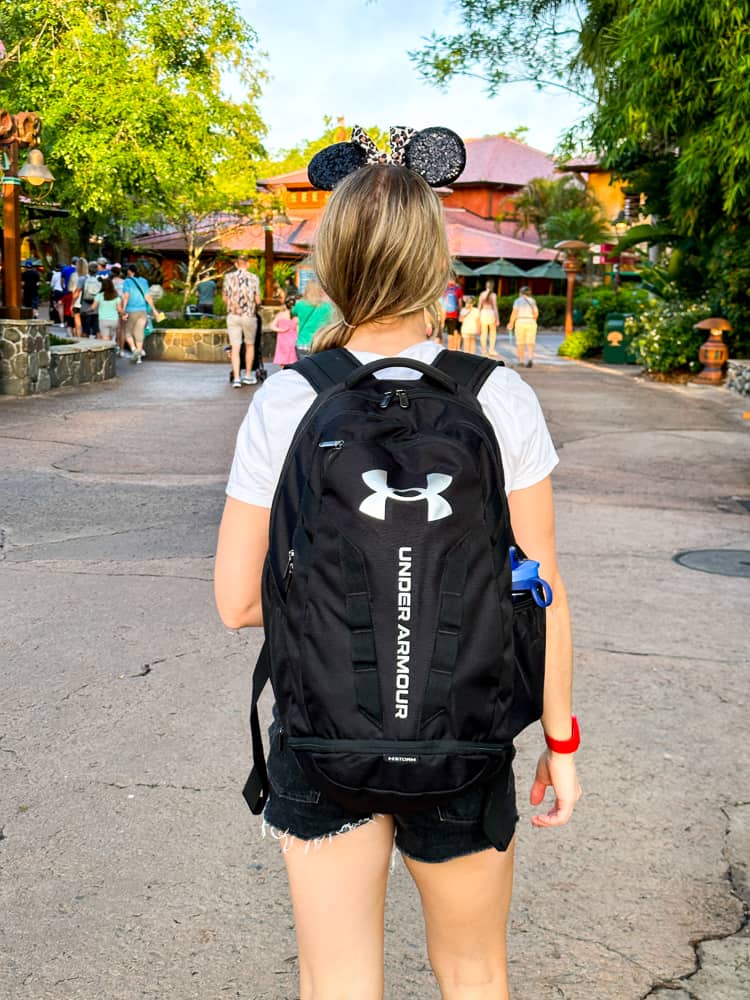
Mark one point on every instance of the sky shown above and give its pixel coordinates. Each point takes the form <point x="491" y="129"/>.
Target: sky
<point x="349" y="57"/>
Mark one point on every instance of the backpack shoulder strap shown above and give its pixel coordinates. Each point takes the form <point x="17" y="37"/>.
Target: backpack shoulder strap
<point x="469" y="370"/>
<point x="327" y="368"/>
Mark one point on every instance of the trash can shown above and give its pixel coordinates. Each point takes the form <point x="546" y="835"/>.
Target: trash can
<point x="617" y="344"/>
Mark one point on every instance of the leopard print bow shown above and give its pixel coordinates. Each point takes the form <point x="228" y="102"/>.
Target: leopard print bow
<point x="399" y="137"/>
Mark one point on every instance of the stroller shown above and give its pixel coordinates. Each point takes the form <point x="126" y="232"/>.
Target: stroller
<point x="258" y="366"/>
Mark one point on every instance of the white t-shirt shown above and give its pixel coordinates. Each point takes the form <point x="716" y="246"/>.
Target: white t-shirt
<point x="280" y="404"/>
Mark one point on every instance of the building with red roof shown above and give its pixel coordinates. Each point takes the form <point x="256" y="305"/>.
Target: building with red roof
<point x="497" y="167"/>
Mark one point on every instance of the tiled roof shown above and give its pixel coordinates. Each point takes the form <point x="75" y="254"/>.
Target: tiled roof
<point x="469" y="237"/>
<point x="295" y="179"/>
<point x="587" y="162"/>
<point x="496" y="159"/>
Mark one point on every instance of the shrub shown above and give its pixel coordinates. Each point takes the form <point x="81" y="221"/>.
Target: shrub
<point x="551" y="309"/>
<point x="180" y="323"/>
<point x="581" y="344"/>
<point x="170" y="302"/>
<point x="663" y="336"/>
<point x="597" y="303"/>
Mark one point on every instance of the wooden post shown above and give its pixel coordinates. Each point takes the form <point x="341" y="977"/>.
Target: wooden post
<point x="268" y="254"/>
<point x="571" y="269"/>
<point x="12" y="239"/>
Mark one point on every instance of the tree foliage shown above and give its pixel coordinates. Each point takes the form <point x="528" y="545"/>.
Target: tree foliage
<point x="562" y="209"/>
<point x="136" y="121"/>
<point x="667" y="82"/>
<point x="508" y="41"/>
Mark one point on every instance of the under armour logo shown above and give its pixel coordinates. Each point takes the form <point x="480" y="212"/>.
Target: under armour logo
<point x="377" y="480"/>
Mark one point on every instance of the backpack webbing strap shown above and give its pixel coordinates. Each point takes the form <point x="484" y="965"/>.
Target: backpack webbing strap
<point x="445" y="650"/>
<point x="326" y="368"/>
<point x="359" y="619"/>
<point x="256" y="787"/>
<point x="469" y="370"/>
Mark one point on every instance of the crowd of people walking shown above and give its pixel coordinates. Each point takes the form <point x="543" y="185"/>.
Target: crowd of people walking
<point x="467" y="319"/>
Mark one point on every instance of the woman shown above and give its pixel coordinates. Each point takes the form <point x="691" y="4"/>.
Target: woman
<point x="522" y="324"/>
<point x="77" y="282"/>
<point x="382" y="287"/>
<point x="136" y="301"/>
<point x="313" y="312"/>
<point x="107" y="307"/>
<point x="488" y="319"/>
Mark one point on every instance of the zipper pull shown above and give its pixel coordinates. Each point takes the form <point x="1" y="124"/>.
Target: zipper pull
<point x="282" y="740"/>
<point x="387" y="399"/>
<point x="289" y="571"/>
<point x="402" y="398"/>
<point x="338" y="445"/>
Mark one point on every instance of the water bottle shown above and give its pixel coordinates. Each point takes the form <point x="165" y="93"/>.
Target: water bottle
<point x="525" y="577"/>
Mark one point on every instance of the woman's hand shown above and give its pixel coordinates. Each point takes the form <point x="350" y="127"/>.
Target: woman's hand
<point x="557" y="770"/>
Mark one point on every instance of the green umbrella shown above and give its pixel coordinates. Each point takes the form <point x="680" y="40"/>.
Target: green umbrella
<point x="550" y="269"/>
<point x="502" y="269"/>
<point x="460" y="268"/>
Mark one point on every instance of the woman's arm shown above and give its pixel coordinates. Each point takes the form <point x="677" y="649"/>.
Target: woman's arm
<point x="240" y="553"/>
<point x="532" y="517"/>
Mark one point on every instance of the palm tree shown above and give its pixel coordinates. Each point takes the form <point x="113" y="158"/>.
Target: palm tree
<point x="585" y="223"/>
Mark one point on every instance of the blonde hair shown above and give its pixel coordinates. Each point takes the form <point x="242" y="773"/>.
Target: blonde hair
<point x="381" y="250"/>
<point x="313" y="293"/>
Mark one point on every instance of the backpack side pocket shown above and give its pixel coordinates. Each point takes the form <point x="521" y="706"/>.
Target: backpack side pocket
<point x="529" y="639"/>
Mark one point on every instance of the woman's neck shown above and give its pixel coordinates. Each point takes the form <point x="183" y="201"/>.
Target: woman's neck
<point x="390" y="336"/>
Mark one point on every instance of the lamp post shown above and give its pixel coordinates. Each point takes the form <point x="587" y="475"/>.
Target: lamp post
<point x="571" y="265"/>
<point x="16" y="131"/>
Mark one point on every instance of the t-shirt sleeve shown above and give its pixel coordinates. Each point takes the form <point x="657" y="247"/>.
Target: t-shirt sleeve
<point x="526" y="447"/>
<point x="265" y="435"/>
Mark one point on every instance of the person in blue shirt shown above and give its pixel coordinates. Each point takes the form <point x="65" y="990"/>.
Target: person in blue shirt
<point x="136" y="302"/>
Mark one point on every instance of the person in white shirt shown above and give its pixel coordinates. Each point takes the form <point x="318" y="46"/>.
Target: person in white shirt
<point x="522" y="322"/>
<point x="382" y="257"/>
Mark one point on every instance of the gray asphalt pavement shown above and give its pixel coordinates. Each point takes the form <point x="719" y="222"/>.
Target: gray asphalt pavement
<point x="129" y="864"/>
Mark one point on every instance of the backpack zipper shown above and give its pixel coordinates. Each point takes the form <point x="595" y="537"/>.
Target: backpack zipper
<point x="418" y="748"/>
<point x="399" y="394"/>
<point x="338" y="445"/>
<point x="289" y="571"/>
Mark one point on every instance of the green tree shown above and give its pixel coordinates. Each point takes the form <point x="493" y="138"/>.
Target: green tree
<point x="543" y="197"/>
<point x="670" y="107"/>
<point x="297" y="157"/>
<point x="136" y="122"/>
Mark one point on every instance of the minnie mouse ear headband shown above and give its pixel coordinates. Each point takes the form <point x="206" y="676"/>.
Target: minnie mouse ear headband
<point x="436" y="153"/>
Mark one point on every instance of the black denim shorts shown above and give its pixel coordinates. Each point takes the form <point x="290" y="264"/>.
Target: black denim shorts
<point x="444" y="832"/>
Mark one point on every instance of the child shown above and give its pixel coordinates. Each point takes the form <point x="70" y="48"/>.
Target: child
<point x="285" y="326"/>
<point x="469" y="325"/>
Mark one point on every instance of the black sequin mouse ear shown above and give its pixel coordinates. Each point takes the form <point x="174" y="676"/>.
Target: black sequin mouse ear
<point x="334" y="163"/>
<point x="438" y="154"/>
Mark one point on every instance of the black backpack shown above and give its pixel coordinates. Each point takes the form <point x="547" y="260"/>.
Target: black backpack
<point x="401" y="663"/>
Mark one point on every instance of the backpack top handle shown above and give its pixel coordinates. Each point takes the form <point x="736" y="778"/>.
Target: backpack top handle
<point x="429" y="372"/>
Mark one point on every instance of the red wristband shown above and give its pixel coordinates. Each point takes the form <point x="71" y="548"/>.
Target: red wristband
<point x="566" y="746"/>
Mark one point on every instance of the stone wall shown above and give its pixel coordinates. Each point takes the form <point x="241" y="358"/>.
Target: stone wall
<point x="195" y="345"/>
<point x="738" y="376"/>
<point x="82" y="361"/>
<point x="29" y="365"/>
<point x="24" y="356"/>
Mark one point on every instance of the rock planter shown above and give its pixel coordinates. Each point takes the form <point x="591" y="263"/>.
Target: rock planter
<point x="81" y="361"/>
<point x="738" y="376"/>
<point x="196" y="344"/>
<point x="24" y="356"/>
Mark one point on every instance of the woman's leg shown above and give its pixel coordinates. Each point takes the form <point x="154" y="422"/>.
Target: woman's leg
<point x="483" y="335"/>
<point x="338" y="895"/>
<point x="466" y="903"/>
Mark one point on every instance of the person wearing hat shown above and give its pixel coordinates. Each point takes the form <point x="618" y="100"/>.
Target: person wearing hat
<point x="523" y="323"/>
<point x="241" y="294"/>
<point x="30" y="279"/>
